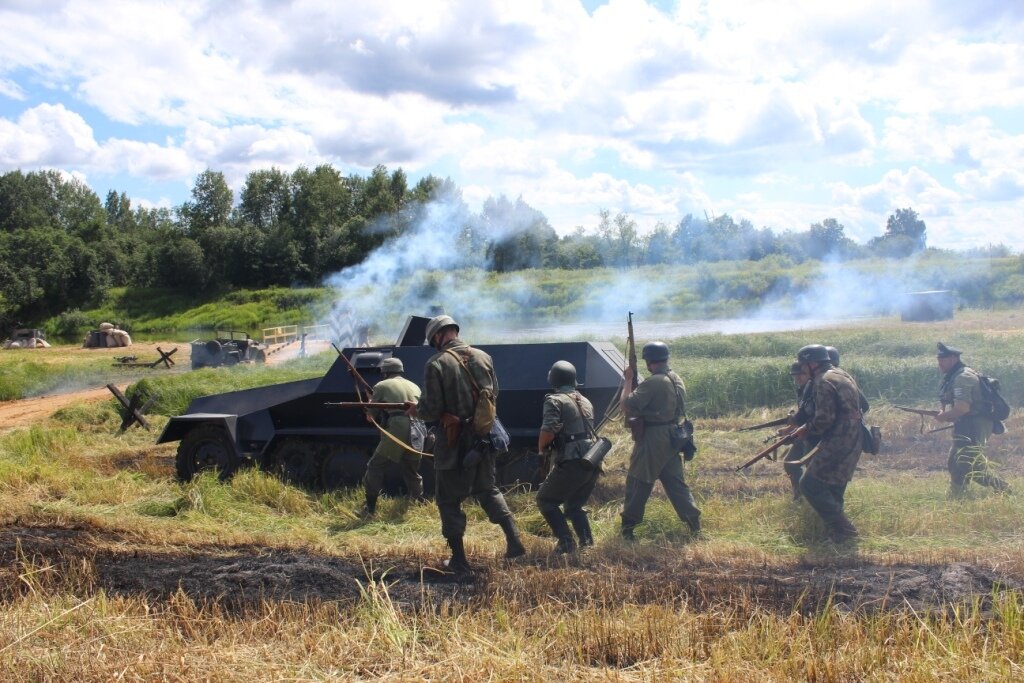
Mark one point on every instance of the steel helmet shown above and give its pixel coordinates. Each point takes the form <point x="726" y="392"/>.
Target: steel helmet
<point x="813" y="353"/>
<point x="833" y="355"/>
<point x="655" y="352"/>
<point x="392" y="366"/>
<point x="437" y="324"/>
<point x="562" y="373"/>
<point x="796" y="369"/>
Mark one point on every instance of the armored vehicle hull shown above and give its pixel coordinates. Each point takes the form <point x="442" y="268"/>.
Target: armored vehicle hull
<point x="288" y="428"/>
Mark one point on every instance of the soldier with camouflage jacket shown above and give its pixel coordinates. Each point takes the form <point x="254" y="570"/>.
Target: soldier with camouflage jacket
<point x="836" y="422"/>
<point x="962" y="404"/>
<point x="448" y="398"/>
<point x="568" y="429"/>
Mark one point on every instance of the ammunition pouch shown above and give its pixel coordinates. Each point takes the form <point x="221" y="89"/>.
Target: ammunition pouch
<point x="682" y="440"/>
<point x="636" y="427"/>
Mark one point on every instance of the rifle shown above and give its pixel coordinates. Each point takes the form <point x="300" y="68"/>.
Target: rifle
<point x="764" y="425"/>
<point x="355" y="375"/>
<point x="363" y="404"/>
<point x="635" y="424"/>
<point x="922" y="412"/>
<point x="794" y="435"/>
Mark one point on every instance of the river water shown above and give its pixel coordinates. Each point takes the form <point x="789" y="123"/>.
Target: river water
<point x="670" y="329"/>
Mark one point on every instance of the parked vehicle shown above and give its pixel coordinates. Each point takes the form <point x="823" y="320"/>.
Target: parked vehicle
<point x="227" y="348"/>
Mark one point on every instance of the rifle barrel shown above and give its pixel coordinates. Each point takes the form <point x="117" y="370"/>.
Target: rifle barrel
<point x="764" y="425"/>
<point x="364" y="404"/>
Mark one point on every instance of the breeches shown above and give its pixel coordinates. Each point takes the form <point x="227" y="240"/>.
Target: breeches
<point x="454" y="486"/>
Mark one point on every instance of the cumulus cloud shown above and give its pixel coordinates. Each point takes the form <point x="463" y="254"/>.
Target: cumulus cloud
<point x="630" y="107"/>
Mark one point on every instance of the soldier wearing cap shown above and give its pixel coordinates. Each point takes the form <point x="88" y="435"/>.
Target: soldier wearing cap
<point x="449" y="396"/>
<point x="961" y="400"/>
<point x="659" y="402"/>
<point x="392" y="389"/>
<point x="567" y="427"/>
<point x="836" y="423"/>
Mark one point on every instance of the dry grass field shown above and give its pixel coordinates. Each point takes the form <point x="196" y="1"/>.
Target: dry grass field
<point x="111" y="570"/>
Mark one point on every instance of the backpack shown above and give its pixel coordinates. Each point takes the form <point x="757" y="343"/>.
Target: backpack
<point x="485" y="405"/>
<point x="997" y="407"/>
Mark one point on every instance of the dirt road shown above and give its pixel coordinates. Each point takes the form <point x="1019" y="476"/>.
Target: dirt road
<point x="30" y="410"/>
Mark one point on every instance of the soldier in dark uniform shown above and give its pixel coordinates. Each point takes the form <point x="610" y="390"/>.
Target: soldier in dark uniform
<point x="962" y="404"/>
<point x="448" y="398"/>
<point x="836" y="423"/>
<point x="568" y="429"/>
<point x="659" y="402"/>
<point x="392" y="389"/>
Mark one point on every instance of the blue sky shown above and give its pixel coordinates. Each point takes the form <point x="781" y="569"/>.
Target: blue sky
<point x="780" y="112"/>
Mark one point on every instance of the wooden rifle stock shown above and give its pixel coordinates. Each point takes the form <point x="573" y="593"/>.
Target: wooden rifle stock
<point x="795" y="435"/>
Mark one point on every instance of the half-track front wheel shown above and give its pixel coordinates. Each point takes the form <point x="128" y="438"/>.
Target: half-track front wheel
<point x="208" y="446"/>
<point x="344" y="466"/>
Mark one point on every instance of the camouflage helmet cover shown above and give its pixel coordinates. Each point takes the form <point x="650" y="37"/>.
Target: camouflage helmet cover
<point x="562" y="373"/>
<point x="655" y="352"/>
<point x="437" y="324"/>
<point x="392" y="366"/>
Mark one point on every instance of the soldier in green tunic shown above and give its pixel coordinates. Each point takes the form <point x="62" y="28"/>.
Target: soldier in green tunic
<point x="962" y="404"/>
<point x="449" y="398"/>
<point x="567" y="429"/>
<point x="659" y="402"/>
<point x="392" y="389"/>
<point x="836" y="423"/>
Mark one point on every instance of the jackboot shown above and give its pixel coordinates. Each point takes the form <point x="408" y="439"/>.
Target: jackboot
<point x="841" y="530"/>
<point x="556" y="520"/>
<point x="370" y="507"/>
<point x="458" y="563"/>
<point x="513" y="545"/>
<point x="581" y="523"/>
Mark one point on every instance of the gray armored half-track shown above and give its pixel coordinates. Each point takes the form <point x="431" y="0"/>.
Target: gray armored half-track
<point x="287" y="427"/>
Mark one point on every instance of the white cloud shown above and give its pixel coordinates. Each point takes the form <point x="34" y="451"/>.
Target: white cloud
<point x="999" y="185"/>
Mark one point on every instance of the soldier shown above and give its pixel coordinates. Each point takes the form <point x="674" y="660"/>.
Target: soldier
<point x="568" y="429"/>
<point x="449" y="397"/>
<point x="804" y="411"/>
<point x="392" y="389"/>
<point x="961" y="399"/>
<point x="836" y="423"/>
<point x="659" y="402"/>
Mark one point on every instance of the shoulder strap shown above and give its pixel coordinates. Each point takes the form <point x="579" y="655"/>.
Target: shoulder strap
<point x="469" y="373"/>
<point x="579" y="407"/>
<point x="679" y="399"/>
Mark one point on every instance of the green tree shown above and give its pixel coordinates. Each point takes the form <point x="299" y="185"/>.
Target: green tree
<point x="211" y="203"/>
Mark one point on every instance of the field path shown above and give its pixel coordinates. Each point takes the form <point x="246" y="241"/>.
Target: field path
<point x="27" y="411"/>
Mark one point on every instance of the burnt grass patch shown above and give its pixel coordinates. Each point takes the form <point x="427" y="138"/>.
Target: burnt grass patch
<point x="236" y="577"/>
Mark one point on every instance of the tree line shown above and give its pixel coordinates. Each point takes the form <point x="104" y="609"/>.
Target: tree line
<point x="61" y="247"/>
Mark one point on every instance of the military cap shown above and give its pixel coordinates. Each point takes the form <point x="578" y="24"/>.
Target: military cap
<point x="391" y="366"/>
<point x="947" y="351"/>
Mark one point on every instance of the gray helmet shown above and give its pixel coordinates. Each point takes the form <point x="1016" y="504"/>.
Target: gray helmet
<point x="655" y="352"/>
<point x="562" y="373"/>
<point x="813" y="353"/>
<point x="392" y="366"/>
<point x="833" y="355"/>
<point x="437" y="324"/>
<point x="796" y="369"/>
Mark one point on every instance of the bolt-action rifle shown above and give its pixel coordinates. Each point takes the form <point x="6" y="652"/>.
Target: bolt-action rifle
<point x="764" y="425"/>
<point x="635" y="424"/>
<point x="363" y="404"/>
<point x="923" y="412"/>
<point x="767" y="451"/>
